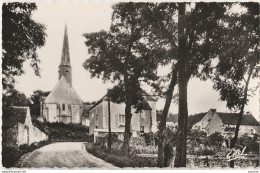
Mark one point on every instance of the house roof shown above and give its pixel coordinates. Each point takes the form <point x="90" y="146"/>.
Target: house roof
<point x="13" y="115"/>
<point x="231" y="119"/>
<point x="148" y="97"/>
<point x="63" y="93"/>
<point x="193" y="119"/>
<point x="145" y="104"/>
<point x="170" y="118"/>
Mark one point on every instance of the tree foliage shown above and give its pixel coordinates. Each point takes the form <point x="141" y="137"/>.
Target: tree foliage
<point x="190" y="41"/>
<point x="239" y="60"/>
<point x="15" y="98"/>
<point x="21" y="36"/>
<point x="123" y="56"/>
<point x="239" y="47"/>
<point x="36" y="96"/>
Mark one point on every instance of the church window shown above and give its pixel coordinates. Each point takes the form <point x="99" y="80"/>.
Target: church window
<point x="63" y="107"/>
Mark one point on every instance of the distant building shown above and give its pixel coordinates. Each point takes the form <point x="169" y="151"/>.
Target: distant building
<point x="20" y="129"/>
<point x="142" y="122"/>
<point x="85" y="115"/>
<point x="225" y="123"/>
<point x="63" y="104"/>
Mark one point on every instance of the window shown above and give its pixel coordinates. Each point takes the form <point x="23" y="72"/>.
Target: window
<point x="96" y="121"/>
<point x="121" y="119"/>
<point x="251" y="131"/>
<point x="63" y="107"/>
<point x="142" y="129"/>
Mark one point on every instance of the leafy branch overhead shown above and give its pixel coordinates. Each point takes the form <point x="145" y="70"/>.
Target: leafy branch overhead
<point x="21" y="37"/>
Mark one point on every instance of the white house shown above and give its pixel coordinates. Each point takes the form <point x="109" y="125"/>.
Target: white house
<point x="142" y="122"/>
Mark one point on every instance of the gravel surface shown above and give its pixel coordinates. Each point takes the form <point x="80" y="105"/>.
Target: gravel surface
<point x="63" y="155"/>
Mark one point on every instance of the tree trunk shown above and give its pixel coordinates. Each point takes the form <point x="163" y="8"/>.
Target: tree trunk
<point x="109" y="124"/>
<point x="128" y="103"/>
<point x="162" y="124"/>
<point x="240" y="115"/>
<point x="128" y="117"/>
<point x="180" y="157"/>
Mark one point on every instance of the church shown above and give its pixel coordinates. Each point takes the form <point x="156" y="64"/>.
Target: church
<point x="63" y="104"/>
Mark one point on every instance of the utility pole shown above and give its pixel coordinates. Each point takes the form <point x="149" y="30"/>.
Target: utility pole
<point x="109" y="123"/>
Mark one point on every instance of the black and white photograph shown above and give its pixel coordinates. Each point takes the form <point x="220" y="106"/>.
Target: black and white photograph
<point x="123" y="85"/>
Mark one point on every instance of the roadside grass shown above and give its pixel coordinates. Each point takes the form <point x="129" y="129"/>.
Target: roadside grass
<point x="120" y="160"/>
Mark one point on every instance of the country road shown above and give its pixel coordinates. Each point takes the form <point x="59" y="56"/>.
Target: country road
<point x="63" y="155"/>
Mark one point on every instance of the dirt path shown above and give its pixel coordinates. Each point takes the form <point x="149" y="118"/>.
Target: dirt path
<point x="63" y="155"/>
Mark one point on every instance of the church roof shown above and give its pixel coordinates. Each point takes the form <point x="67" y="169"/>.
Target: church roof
<point x="63" y="93"/>
<point x="65" y="56"/>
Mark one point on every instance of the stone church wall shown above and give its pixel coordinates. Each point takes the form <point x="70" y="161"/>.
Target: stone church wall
<point x="51" y="113"/>
<point x="76" y="114"/>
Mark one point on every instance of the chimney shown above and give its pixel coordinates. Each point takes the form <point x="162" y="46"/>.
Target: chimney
<point x="213" y="110"/>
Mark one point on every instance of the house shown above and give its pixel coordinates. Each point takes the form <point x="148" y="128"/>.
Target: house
<point x="225" y="123"/>
<point x="19" y="127"/>
<point x="141" y="122"/>
<point x="171" y="119"/>
<point x="63" y="104"/>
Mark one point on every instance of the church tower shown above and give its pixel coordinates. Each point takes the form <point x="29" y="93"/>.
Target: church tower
<point x="63" y="104"/>
<point x="65" y="67"/>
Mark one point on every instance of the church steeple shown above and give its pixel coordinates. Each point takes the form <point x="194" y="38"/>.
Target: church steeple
<point x="65" y="57"/>
<point x="65" y="67"/>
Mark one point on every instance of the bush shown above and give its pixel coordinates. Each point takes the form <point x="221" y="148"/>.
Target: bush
<point x="207" y="152"/>
<point x="134" y="141"/>
<point x="11" y="154"/>
<point x="140" y="149"/>
<point x="120" y="160"/>
<point x="251" y="144"/>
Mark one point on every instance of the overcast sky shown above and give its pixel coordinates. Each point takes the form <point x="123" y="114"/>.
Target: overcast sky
<point x="86" y="17"/>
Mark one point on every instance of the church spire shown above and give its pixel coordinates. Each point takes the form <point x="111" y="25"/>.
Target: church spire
<point x="65" y="67"/>
<point x="65" y="57"/>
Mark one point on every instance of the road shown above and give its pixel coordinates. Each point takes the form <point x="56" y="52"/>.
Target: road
<point x="63" y="155"/>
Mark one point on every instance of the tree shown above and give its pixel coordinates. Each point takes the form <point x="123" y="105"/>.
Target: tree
<point x="21" y="37"/>
<point x="239" y="60"/>
<point x="36" y="96"/>
<point x="216" y="140"/>
<point x="122" y="56"/>
<point x="15" y="98"/>
<point x="190" y="41"/>
<point x="36" y="99"/>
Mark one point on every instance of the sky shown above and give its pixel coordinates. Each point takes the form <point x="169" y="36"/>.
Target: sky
<point x="87" y="17"/>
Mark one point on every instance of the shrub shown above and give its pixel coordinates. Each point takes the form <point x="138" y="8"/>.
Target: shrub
<point x="251" y="144"/>
<point x="207" y="152"/>
<point x="137" y="141"/>
<point x="216" y="140"/>
<point x="120" y="160"/>
<point x="9" y="156"/>
<point x="140" y="149"/>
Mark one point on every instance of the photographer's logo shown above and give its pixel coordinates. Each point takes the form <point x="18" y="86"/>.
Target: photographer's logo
<point x="235" y="154"/>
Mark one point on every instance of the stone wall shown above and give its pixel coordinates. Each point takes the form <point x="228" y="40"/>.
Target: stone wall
<point x="28" y="134"/>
